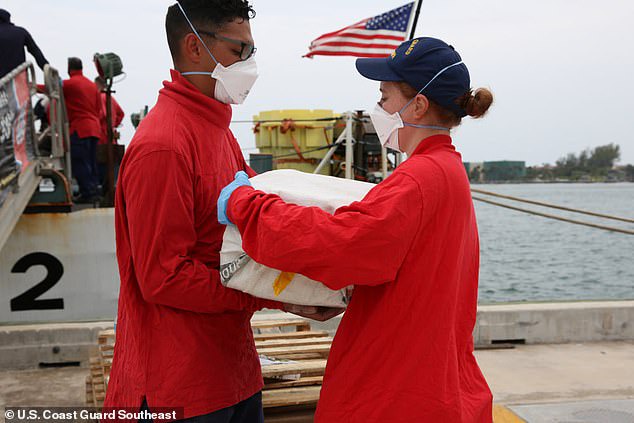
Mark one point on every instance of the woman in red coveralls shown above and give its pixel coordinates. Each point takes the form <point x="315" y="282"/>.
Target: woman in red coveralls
<point x="404" y="349"/>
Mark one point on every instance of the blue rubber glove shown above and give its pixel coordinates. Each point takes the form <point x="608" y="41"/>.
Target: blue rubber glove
<point x="242" y="180"/>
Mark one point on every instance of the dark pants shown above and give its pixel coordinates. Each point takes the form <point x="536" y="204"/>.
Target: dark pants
<point x="83" y="153"/>
<point x="247" y="411"/>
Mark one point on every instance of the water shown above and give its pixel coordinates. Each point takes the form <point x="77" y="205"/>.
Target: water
<point x="531" y="258"/>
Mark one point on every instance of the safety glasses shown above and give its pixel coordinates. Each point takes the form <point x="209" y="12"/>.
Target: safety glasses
<point x="246" y="50"/>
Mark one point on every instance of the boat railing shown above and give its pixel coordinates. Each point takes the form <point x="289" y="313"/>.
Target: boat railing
<point x="19" y="158"/>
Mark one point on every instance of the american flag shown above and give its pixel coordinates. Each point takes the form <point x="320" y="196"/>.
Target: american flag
<point x="378" y="36"/>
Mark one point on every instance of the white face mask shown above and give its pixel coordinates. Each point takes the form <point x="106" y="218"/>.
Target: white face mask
<point x="387" y="125"/>
<point x="233" y="83"/>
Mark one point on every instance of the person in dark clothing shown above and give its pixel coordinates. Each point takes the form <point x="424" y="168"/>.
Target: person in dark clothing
<point x="13" y="39"/>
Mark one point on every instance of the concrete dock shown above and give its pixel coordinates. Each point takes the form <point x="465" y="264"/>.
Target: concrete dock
<point x="570" y="362"/>
<point x="531" y="381"/>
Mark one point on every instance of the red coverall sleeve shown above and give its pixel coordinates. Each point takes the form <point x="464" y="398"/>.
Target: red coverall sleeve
<point x="159" y="202"/>
<point x="364" y="243"/>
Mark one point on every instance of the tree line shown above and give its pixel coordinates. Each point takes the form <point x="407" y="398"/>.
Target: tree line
<point x="591" y="165"/>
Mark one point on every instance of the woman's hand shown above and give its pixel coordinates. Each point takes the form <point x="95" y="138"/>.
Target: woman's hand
<point x="241" y="179"/>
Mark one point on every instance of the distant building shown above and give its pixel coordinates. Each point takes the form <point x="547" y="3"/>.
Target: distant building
<point x="497" y="171"/>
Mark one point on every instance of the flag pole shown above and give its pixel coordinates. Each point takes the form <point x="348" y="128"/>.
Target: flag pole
<point x="398" y="157"/>
<point x="419" y="3"/>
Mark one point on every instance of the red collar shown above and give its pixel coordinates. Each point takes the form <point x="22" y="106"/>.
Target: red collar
<point x="76" y="73"/>
<point x="187" y="95"/>
<point x="431" y="143"/>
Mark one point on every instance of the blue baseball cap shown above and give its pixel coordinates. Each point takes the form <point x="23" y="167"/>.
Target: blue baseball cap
<point x="431" y="66"/>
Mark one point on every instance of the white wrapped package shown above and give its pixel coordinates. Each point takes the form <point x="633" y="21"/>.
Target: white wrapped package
<point x="239" y="272"/>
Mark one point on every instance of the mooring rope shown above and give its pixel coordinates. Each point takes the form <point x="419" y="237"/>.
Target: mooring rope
<point x="550" y="216"/>
<point x="553" y="206"/>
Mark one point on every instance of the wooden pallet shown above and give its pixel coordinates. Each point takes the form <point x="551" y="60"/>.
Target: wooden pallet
<point x="95" y="384"/>
<point x="106" y="341"/>
<point x="90" y="397"/>
<point x="100" y="365"/>
<point x="287" y="397"/>
<point x="306" y="349"/>
<point x="292" y="350"/>
<point x="289" y="335"/>
<point x="300" y="367"/>
<point x="303" y="381"/>
<point x="279" y="343"/>
<point x="300" y="325"/>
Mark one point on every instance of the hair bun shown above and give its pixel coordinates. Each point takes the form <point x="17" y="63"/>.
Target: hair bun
<point x="477" y="104"/>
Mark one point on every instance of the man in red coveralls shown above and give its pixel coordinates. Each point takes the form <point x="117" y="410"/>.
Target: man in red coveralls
<point x="83" y="104"/>
<point x="404" y="349"/>
<point x="183" y="339"/>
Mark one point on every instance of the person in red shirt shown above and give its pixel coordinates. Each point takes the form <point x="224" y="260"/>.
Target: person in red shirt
<point x="183" y="339"/>
<point x="404" y="349"/>
<point x="117" y="113"/>
<point x="83" y="104"/>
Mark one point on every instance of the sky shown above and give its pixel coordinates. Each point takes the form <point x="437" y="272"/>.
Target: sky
<point x="561" y="71"/>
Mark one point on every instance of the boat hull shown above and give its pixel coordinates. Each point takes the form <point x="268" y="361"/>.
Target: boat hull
<point x="60" y="267"/>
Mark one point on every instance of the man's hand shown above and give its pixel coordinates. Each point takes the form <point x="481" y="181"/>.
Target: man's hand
<point x="321" y="314"/>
